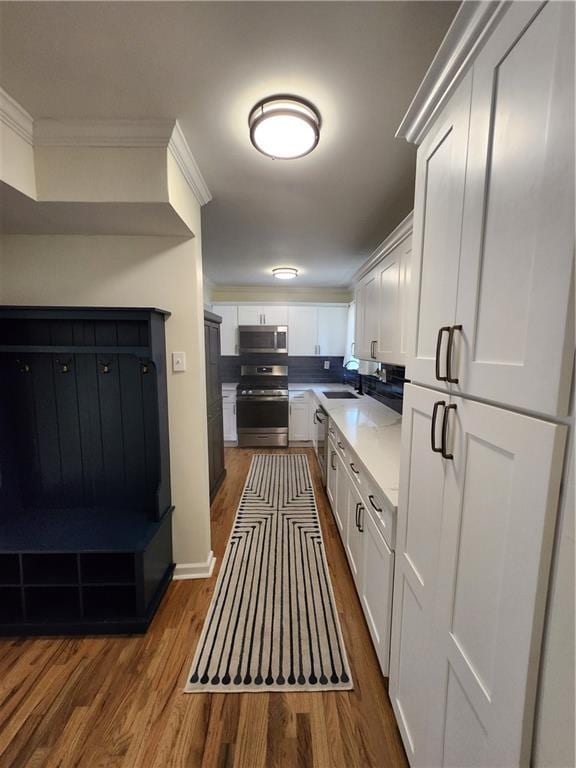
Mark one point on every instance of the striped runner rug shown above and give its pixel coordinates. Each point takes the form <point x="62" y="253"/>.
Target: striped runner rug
<point x="272" y="623"/>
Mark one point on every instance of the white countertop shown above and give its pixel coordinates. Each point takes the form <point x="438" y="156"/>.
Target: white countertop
<point x="372" y="430"/>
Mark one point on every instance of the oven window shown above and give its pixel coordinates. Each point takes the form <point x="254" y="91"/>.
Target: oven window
<point x="259" y="415"/>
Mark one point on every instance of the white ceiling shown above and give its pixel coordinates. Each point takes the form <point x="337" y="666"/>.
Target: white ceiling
<point x="206" y="64"/>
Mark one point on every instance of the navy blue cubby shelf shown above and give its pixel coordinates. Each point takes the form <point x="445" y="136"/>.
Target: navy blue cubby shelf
<point x="85" y="503"/>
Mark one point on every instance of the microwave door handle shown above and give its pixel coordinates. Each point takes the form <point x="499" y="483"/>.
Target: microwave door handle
<point x="275" y="340"/>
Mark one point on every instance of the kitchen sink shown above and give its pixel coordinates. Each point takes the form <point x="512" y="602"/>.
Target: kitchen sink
<point x="340" y="395"/>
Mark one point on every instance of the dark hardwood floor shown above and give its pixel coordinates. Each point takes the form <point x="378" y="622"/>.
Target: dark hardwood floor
<point x="118" y="701"/>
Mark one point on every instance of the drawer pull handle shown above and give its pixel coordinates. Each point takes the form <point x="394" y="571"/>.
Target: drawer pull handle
<point x="358" y="505"/>
<point x="437" y="405"/>
<point x="353" y="468"/>
<point x="340" y="445"/>
<point x="359" y="523"/>
<point x="371" y="500"/>
<point x="449" y="377"/>
<point x="447" y="410"/>
<point x="332" y="459"/>
<point x="438" y="350"/>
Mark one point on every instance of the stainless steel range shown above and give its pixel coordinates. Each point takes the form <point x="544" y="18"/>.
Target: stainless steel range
<point x="262" y="406"/>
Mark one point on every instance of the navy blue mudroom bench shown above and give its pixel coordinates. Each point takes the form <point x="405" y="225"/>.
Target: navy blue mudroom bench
<point x="85" y="504"/>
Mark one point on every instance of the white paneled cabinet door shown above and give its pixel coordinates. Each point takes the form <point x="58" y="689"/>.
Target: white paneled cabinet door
<point x="275" y="315"/>
<point x="298" y="422"/>
<point x="388" y="316"/>
<point x="332" y="326"/>
<point x="228" y="328"/>
<point x="302" y="330"/>
<point x="418" y="532"/>
<point x="371" y="310"/>
<point x="332" y="479"/>
<point x="250" y="315"/>
<point x="439" y="196"/>
<point x="229" y="416"/>
<point x="376" y="587"/>
<point x="342" y="490"/>
<point x="354" y="533"/>
<point x="500" y="497"/>
<point x="518" y="233"/>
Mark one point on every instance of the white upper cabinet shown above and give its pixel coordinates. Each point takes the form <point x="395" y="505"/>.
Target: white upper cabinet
<point x="262" y="315"/>
<point x="318" y="330"/>
<point x="228" y="328"/>
<point x="517" y="343"/>
<point x="302" y="330"/>
<point x="438" y="202"/>
<point x="367" y="317"/>
<point x="332" y="326"/>
<point x="393" y="284"/>
<point x="494" y="221"/>
<point x="382" y="301"/>
<point x="250" y="315"/>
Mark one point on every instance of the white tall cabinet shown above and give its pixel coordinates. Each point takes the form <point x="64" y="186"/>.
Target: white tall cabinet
<point x="491" y="319"/>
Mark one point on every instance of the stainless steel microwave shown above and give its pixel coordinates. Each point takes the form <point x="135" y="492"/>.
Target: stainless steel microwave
<point x="267" y="339"/>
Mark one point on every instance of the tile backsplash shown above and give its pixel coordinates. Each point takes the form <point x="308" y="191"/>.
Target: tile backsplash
<point x="300" y="369"/>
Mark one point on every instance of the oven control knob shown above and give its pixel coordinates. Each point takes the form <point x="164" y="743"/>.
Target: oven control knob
<point x="249" y="391"/>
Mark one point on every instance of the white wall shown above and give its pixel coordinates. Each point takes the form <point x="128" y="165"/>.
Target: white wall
<point x="281" y="293"/>
<point x="164" y="272"/>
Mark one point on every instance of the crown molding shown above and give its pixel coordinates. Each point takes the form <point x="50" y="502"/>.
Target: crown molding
<point x="468" y="31"/>
<point x="182" y="154"/>
<point x="16" y="118"/>
<point x="51" y="132"/>
<point x="400" y="233"/>
<point x="164" y="133"/>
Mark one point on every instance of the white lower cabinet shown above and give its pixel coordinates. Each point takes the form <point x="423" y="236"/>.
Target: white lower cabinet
<point x="332" y="474"/>
<point x="354" y="541"/>
<point x="474" y="536"/>
<point x="377" y="574"/>
<point x="229" y="416"/>
<point x="299" y="418"/>
<point x="371" y="560"/>
<point x="342" y="490"/>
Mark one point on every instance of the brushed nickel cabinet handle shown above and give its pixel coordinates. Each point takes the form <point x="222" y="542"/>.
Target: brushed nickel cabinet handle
<point x="353" y="468"/>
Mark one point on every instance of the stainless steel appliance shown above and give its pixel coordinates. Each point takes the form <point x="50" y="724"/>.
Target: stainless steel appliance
<point x="265" y="339"/>
<point x="262" y="406"/>
<point x="321" y="441"/>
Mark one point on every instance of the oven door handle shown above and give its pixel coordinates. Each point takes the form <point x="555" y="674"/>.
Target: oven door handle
<point x="261" y="399"/>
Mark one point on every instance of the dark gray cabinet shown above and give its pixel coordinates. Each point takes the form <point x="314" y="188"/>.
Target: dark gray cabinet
<point x="217" y="470"/>
<point x="85" y="503"/>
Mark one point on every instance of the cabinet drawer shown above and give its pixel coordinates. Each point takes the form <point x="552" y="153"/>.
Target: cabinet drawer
<point x="373" y="498"/>
<point x="339" y="442"/>
<point x="384" y="516"/>
<point x="300" y="395"/>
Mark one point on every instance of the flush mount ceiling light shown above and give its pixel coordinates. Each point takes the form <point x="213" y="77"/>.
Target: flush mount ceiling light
<point x="285" y="273"/>
<point x="284" y="127"/>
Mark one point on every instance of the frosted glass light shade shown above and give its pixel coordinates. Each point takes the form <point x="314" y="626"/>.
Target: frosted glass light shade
<point x="284" y="127"/>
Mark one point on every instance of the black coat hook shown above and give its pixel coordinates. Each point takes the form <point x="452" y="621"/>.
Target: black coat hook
<point x="64" y="365"/>
<point x="105" y="366"/>
<point x="24" y="367"/>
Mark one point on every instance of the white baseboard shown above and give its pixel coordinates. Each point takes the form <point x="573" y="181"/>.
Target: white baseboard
<point x="195" y="570"/>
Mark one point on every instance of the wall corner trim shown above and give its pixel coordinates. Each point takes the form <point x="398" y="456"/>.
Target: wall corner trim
<point x="469" y="29"/>
<point x="182" y="154"/>
<point x="195" y="570"/>
<point x="15" y="117"/>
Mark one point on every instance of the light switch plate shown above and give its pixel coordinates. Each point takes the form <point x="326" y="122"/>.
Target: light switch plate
<point x="326" y="365"/>
<point x="178" y="361"/>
